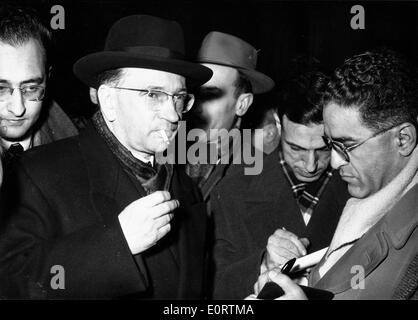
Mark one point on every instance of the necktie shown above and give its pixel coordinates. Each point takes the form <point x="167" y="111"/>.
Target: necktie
<point x="15" y="150"/>
<point x="13" y="153"/>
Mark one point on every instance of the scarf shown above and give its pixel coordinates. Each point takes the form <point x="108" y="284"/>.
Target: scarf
<point x="151" y="178"/>
<point x="307" y="195"/>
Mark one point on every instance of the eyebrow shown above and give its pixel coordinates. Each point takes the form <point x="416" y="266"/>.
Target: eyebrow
<point x="344" y="139"/>
<point x="212" y="91"/>
<point x="163" y="89"/>
<point x="302" y="148"/>
<point x="210" y="88"/>
<point x="32" y="80"/>
<point x="295" y="145"/>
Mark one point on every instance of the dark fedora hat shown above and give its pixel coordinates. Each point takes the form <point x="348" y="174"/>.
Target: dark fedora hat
<point x="228" y="50"/>
<point x="142" y="41"/>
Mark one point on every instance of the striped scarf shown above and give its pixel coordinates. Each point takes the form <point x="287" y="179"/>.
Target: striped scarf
<point x="307" y="195"/>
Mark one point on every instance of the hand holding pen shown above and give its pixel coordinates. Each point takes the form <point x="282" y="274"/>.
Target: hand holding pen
<point x="283" y="246"/>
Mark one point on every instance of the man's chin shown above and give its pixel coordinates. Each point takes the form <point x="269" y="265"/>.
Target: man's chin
<point x="159" y="148"/>
<point x="14" y="134"/>
<point x="356" y="191"/>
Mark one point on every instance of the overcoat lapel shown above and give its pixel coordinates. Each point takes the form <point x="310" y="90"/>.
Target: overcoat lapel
<point x="110" y="188"/>
<point x="188" y="236"/>
<point x="368" y="254"/>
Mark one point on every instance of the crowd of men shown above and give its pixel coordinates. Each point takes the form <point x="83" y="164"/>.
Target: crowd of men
<point x="96" y="202"/>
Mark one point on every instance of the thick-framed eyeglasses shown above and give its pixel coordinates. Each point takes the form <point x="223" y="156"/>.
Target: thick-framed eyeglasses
<point x="343" y="151"/>
<point x="29" y="93"/>
<point x="183" y="102"/>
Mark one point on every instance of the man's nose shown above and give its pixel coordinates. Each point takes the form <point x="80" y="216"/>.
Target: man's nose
<point x="311" y="162"/>
<point x="337" y="160"/>
<point x="16" y="104"/>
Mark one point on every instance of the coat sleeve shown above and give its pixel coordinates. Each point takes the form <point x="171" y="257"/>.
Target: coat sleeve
<point x="38" y="261"/>
<point x="235" y="271"/>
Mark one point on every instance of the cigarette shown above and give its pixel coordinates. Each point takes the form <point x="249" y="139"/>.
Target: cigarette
<point x="309" y="260"/>
<point x="165" y="138"/>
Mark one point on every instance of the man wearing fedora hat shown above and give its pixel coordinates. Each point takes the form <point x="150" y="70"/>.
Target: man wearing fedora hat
<point x="98" y="207"/>
<point x="223" y="100"/>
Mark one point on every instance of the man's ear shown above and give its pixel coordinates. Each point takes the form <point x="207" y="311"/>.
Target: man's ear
<point x="278" y="123"/>
<point x="93" y="95"/>
<point x="244" y="101"/>
<point x="106" y="99"/>
<point x="406" y="138"/>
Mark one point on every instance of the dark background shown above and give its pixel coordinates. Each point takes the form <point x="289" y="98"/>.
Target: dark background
<point x="281" y="29"/>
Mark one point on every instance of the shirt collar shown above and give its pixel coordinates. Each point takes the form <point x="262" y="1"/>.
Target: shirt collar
<point x="26" y="143"/>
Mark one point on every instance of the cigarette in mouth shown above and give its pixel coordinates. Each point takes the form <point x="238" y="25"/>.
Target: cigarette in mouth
<point x="165" y="138"/>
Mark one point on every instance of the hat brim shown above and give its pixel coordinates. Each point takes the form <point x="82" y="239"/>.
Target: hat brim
<point x="89" y="67"/>
<point x="260" y="82"/>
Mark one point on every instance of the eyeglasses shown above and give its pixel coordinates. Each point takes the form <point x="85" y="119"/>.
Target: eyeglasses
<point x="29" y="93"/>
<point x="343" y="151"/>
<point x="183" y="102"/>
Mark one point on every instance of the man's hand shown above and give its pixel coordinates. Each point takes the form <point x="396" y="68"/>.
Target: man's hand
<point x="147" y="220"/>
<point x="292" y="291"/>
<point x="261" y="281"/>
<point x="282" y="246"/>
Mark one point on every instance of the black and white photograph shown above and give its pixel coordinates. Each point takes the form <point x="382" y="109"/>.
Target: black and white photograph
<point x="216" y="152"/>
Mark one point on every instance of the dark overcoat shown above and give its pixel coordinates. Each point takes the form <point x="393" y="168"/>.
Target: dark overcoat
<point x="64" y="216"/>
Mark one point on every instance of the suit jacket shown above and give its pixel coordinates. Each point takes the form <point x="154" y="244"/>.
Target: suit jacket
<point x="70" y="195"/>
<point x="383" y="257"/>
<point x="248" y="209"/>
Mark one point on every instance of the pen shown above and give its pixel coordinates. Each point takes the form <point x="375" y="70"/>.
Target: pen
<point x="288" y="266"/>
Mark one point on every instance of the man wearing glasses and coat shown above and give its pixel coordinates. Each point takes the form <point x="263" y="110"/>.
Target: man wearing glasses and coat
<point x="98" y="205"/>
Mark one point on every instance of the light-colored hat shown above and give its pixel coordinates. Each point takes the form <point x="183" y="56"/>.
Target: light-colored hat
<point x="228" y="50"/>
